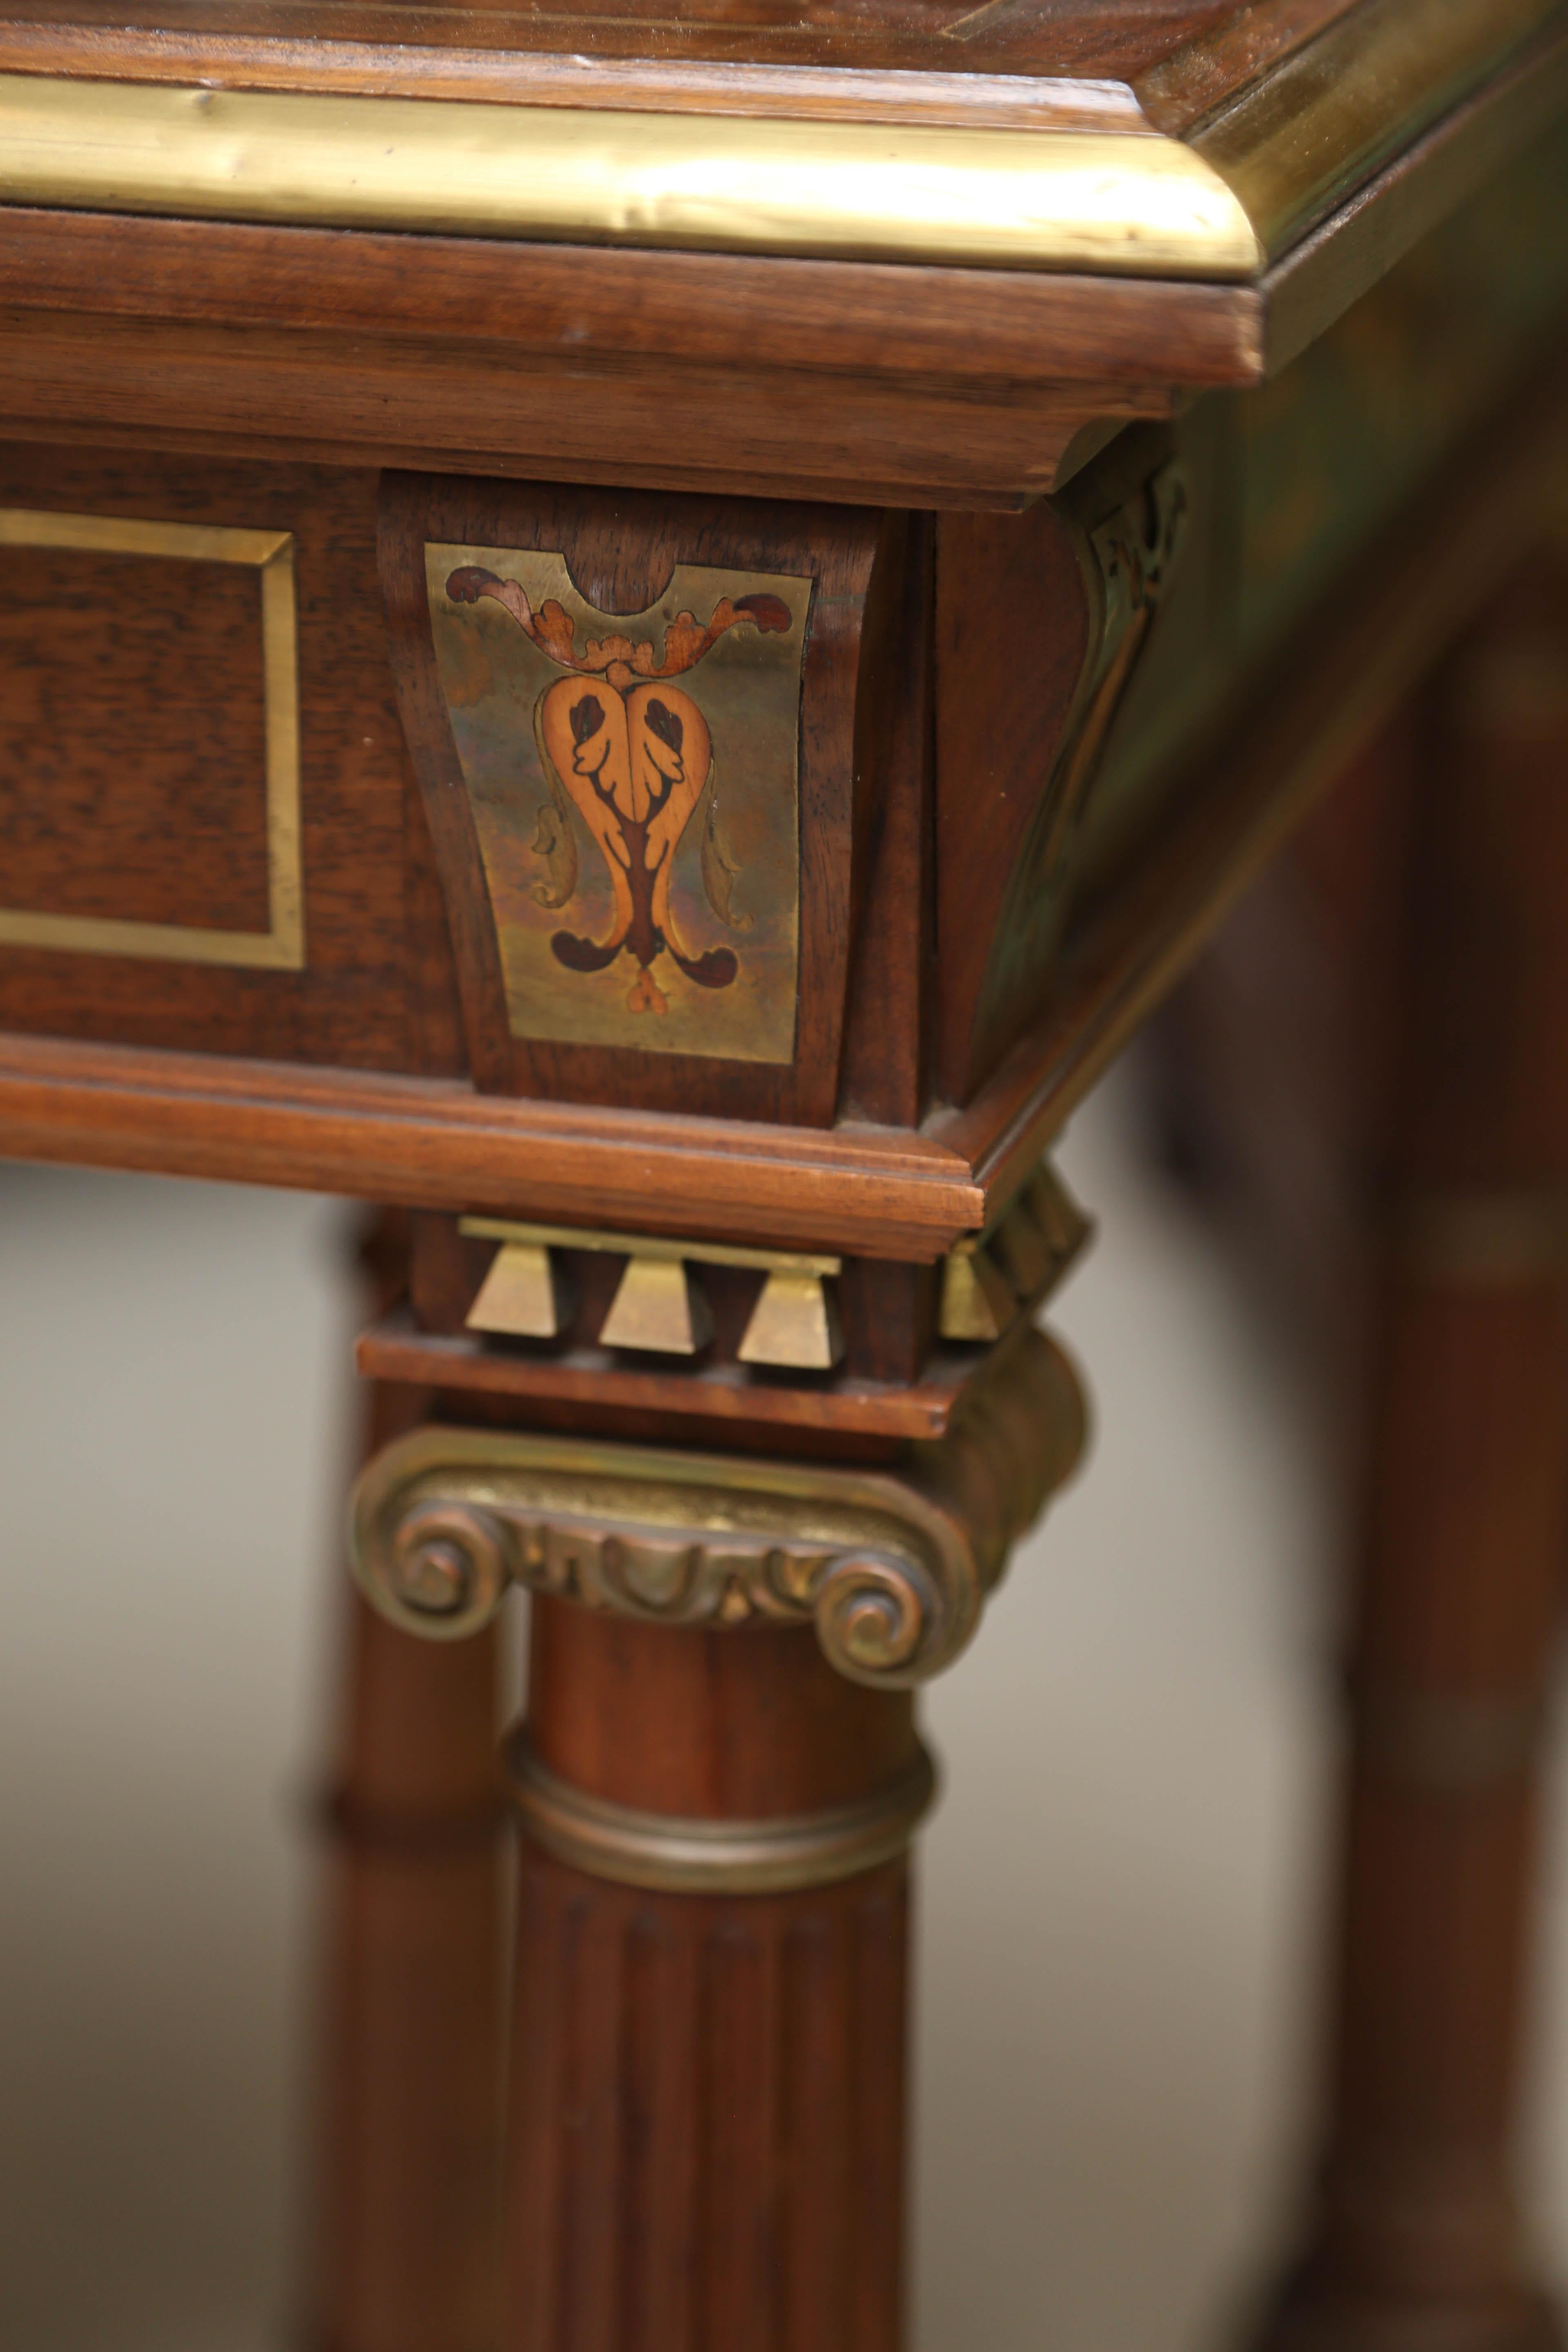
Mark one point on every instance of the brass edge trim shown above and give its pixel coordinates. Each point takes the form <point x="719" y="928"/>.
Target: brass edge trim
<point x="1335" y="112"/>
<point x="500" y="1229"/>
<point x="281" y="947"/>
<point x="1128" y="202"/>
<point x="678" y="1855"/>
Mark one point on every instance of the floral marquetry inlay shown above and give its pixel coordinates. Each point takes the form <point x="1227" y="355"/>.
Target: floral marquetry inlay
<point x="640" y="838"/>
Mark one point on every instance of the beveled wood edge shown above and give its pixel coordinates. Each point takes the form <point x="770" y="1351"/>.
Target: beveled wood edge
<point x="1242" y="790"/>
<point x="393" y="1349"/>
<point x="914" y="490"/>
<point x="1297" y="143"/>
<point x="436" y="1144"/>
<point x="643" y="85"/>
<point x="1213" y="68"/>
<point x="831" y="317"/>
<point x="1342" y="260"/>
<point x="1173" y="94"/>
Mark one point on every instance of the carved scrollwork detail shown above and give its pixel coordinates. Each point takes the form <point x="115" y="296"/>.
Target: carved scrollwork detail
<point x="892" y="1569"/>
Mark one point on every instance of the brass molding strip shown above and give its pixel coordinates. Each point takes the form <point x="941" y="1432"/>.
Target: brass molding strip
<point x="281" y="947"/>
<point x="1130" y="202"/>
<point x="648" y="1245"/>
<point x="1333" y="112"/>
<point x="678" y="1855"/>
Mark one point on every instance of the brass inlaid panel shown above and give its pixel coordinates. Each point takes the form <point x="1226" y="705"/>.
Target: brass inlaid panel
<point x="640" y="838"/>
<point x="277" y="940"/>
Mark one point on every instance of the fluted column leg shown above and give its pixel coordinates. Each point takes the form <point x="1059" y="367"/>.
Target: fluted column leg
<point x="1418" y="2242"/>
<point x="708" y="2101"/>
<point x="717" y="1779"/>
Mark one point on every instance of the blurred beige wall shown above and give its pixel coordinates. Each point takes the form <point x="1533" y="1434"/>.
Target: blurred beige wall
<point x="1121" y="1894"/>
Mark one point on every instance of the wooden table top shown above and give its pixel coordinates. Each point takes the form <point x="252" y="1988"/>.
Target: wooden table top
<point x="898" y="258"/>
<point x="1279" y="155"/>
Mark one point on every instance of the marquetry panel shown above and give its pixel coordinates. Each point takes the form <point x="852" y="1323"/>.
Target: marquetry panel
<point x="635" y="722"/>
<point x="150" y="739"/>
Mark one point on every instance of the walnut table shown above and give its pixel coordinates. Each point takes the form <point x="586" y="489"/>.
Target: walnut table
<point x="645" y="639"/>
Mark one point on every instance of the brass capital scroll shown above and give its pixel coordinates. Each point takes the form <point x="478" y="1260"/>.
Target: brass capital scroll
<point x="892" y="1567"/>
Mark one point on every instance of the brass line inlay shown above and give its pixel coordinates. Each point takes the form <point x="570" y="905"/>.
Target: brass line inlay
<point x="281" y="947"/>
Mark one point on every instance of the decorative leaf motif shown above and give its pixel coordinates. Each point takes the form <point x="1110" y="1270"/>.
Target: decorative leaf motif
<point x="635" y="765"/>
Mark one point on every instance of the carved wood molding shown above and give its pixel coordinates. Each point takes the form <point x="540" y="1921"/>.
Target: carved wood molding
<point x="893" y="1569"/>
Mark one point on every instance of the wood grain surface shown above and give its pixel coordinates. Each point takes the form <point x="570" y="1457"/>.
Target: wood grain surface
<point x="217" y="38"/>
<point x="153" y="766"/>
<point x="400" y="2239"/>
<point x="369" y="400"/>
<point x="839" y="319"/>
<point x="133" y="788"/>
<point x="1016" y="630"/>
<point x="1282" y="741"/>
<point x="883" y="1069"/>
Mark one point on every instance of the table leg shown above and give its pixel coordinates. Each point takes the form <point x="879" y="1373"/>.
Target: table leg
<point x="717" y="1778"/>
<point x="403" y="2253"/>
<point x="707" y="2102"/>
<point x="1417" y="2244"/>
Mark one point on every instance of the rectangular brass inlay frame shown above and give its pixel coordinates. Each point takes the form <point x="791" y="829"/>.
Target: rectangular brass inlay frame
<point x="281" y="947"/>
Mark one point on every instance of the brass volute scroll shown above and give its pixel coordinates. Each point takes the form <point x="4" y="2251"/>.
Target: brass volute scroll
<point x="892" y="1567"/>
